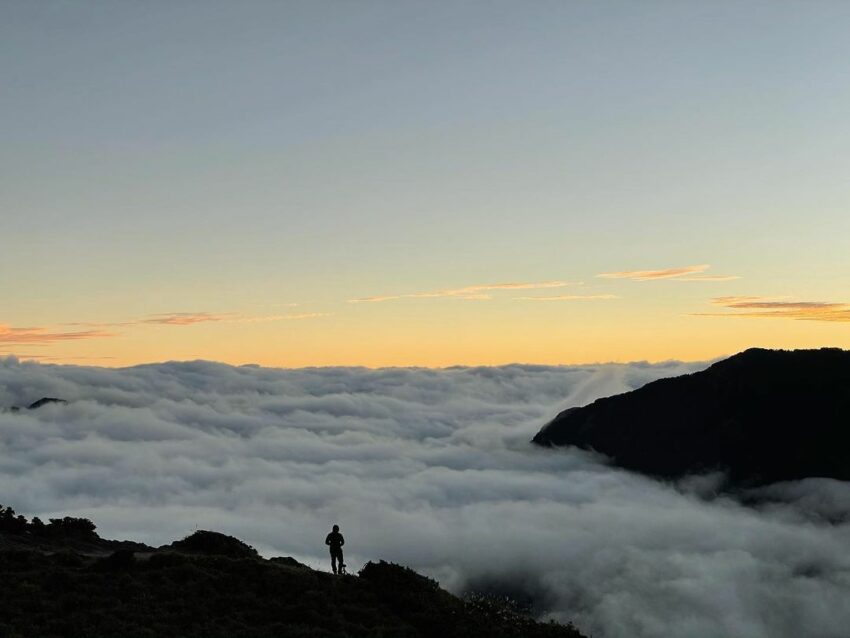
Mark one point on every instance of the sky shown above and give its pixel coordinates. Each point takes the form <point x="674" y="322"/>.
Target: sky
<point x="422" y="184"/>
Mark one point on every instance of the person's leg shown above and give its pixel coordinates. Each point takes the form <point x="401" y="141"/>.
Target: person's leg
<point x="333" y="562"/>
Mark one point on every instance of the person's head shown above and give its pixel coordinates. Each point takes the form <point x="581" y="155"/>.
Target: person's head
<point x="336" y="528"/>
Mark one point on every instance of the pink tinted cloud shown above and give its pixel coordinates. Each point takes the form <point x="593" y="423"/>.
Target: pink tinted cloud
<point x="708" y="278"/>
<point x="771" y="308"/>
<point x="684" y="273"/>
<point x="185" y="318"/>
<point x="476" y="292"/>
<point x="182" y="319"/>
<point x="37" y="335"/>
<point x="568" y="298"/>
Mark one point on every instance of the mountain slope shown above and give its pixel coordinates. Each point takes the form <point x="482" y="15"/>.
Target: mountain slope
<point x="209" y="585"/>
<point x="761" y="416"/>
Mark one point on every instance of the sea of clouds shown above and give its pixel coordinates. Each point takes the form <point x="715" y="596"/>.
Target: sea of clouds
<point x="432" y="469"/>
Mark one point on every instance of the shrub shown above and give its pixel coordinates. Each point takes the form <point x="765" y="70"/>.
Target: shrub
<point x="121" y="560"/>
<point x="213" y="543"/>
<point x="10" y="522"/>
<point x="71" y="527"/>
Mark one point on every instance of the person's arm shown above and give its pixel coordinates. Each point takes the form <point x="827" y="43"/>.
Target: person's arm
<point x="328" y="539"/>
<point x="341" y="540"/>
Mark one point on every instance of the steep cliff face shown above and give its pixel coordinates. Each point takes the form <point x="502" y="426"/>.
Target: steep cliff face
<point x="761" y="416"/>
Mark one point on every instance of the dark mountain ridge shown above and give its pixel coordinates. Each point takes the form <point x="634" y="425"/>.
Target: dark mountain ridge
<point x="761" y="416"/>
<point x="35" y="405"/>
<point x="61" y="579"/>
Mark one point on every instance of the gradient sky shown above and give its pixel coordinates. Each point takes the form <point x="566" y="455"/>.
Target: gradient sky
<point x="422" y="183"/>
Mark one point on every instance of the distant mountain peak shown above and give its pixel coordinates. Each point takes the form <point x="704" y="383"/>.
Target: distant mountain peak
<point x="44" y="401"/>
<point x="35" y="405"/>
<point x="761" y="416"/>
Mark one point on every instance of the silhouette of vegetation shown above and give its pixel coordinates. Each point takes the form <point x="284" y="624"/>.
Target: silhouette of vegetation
<point x="70" y="526"/>
<point x="213" y="543"/>
<point x="287" y="561"/>
<point x="507" y="613"/>
<point x="14" y="523"/>
<point x="214" y="586"/>
<point x="761" y="416"/>
<point x="118" y="561"/>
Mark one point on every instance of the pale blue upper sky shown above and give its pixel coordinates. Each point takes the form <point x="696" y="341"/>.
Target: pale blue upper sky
<point x="187" y="156"/>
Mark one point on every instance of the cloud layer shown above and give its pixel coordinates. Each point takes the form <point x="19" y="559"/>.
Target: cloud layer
<point x="431" y="468"/>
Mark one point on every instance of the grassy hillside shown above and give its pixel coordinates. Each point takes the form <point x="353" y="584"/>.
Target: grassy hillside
<point x="72" y="583"/>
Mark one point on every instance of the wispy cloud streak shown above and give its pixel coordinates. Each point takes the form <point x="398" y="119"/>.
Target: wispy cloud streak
<point x="289" y="317"/>
<point x="477" y="292"/>
<point x="685" y="273"/>
<point x="771" y="308"/>
<point x="567" y="298"/>
<point x="182" y="319"/>
<point x="708" y="278"/>
<point x="35" y="336"/>
<point x="185" y="318"/>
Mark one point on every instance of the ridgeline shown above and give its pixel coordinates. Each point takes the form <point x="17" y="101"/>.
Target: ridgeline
<point x="60" y="579"/>
<point x="760" y="416"/>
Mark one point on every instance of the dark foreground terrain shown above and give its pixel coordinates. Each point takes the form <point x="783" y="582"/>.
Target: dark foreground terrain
<point x="62" y="579"/>
<point x="761" y="416"/>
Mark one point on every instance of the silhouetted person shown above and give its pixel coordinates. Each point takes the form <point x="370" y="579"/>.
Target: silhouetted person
<point x="335" y="541"/>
